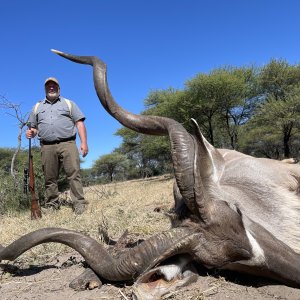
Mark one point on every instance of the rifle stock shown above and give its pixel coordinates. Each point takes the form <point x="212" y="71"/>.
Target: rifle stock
<point x="35" y="206"/>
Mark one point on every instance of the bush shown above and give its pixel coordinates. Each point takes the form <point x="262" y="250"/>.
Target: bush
<point x="12" y="196"/>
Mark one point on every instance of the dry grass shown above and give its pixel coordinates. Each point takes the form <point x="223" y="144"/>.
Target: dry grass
<point x="112" y="208"/>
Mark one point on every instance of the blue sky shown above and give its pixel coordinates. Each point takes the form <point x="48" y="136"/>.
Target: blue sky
<point x="147" y="45"/>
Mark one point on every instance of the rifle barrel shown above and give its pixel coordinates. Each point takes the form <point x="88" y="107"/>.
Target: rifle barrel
<point x="35" y="207"/>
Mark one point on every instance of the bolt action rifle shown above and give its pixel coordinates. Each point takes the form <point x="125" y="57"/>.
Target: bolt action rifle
<point x="35" y="206"/>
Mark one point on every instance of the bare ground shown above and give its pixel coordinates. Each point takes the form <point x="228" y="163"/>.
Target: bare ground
<point x="45" y="273"/>
<point x="51" y="281"/>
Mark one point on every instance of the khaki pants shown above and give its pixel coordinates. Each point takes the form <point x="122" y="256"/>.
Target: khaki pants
<point x="54" y="157"/>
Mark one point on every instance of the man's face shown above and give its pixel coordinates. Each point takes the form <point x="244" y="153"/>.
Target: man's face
<point x="52" y="90"/>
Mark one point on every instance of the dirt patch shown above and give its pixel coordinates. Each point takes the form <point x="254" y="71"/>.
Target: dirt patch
<point x="51" y="281"/>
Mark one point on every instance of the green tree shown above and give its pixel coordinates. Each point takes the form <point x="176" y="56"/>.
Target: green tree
<point x="277" y="78"/>
<point x="278" y="114"/>
<point x="238" y="103"/>
<point x="275" y="127"/>
<point x="147" y="155"/>
<point x="165" y="103"/>
<point x="110" y="165"/>
<point x="221" y="101"/>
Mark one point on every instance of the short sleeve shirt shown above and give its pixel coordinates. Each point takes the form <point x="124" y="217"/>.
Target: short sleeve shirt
<point x="54" y="120"/>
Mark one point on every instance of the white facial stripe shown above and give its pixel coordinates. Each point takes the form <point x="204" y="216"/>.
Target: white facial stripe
<point x="258" y="258"/>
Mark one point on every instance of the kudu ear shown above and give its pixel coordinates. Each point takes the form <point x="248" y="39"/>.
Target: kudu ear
<point x="208" y="167"/>
<point x="208" y="163"/>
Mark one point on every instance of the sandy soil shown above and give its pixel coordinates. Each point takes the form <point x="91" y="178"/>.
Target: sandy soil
<point x="51" y="281"/>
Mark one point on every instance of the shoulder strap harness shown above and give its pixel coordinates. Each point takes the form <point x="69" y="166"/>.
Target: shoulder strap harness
<point x="69" y="103"/>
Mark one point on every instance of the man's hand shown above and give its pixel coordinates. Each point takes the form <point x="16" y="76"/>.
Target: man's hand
<point x="84" y="149"/>
<point x="31" y="133"/>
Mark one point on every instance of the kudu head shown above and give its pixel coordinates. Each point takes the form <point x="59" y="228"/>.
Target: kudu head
<point x="223" y="197"/>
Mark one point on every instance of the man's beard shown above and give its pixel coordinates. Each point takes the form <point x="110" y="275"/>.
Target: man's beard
<point x="52" y="96"/>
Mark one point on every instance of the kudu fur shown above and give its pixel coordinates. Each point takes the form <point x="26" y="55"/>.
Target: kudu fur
<point x="232" y="210"/>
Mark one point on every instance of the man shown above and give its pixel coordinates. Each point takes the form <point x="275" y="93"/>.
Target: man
<point x="55" y="119"/>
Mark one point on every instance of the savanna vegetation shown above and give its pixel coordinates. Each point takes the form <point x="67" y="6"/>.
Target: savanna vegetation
<point x="249" y="109"/>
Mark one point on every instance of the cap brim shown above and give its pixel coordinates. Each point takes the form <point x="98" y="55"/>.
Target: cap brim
<point x="51" y="79"/>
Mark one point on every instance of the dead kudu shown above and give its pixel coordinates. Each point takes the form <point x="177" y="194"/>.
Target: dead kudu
<point x="232" y="211"/>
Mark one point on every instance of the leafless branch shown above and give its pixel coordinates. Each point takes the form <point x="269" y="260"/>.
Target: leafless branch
<point x="14" y="110"/>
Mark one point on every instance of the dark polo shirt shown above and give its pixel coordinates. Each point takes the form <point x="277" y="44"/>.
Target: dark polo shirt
<point x="54" y="120"/>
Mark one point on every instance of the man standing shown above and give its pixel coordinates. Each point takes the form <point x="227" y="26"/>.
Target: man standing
<point x="55" y="119"/>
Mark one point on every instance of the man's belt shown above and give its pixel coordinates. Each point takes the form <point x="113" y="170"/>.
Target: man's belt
<point x="72" y="138"/>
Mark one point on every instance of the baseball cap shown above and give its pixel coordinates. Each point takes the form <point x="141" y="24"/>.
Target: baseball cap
<point x="51" y="79"/>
